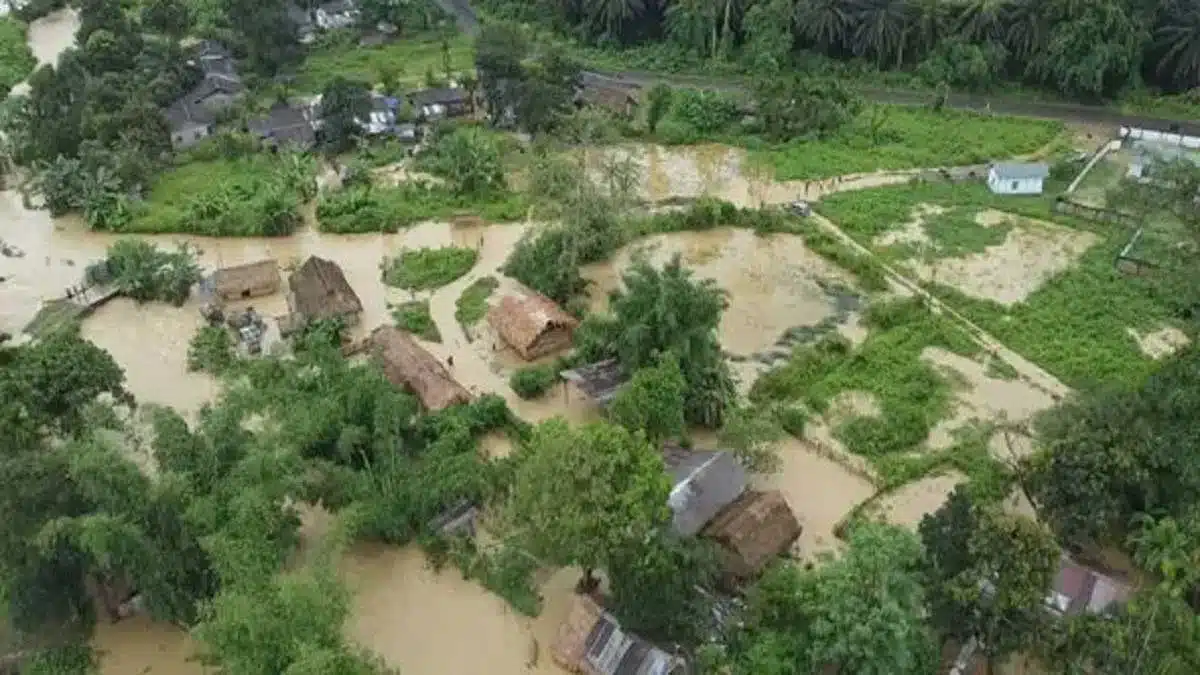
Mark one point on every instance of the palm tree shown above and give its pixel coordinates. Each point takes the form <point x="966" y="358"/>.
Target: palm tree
<point x="692" y="23"/>
<point x="981" y="20"/>
<point x="612" y="14"/>
<point x="882" y="30"/>
<point x="1177" y="39"/>
<point x="1027" y="29"/>
<point x="927" y="21"/>
<point x="825" y="23"/>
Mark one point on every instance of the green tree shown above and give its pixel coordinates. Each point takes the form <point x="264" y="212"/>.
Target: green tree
<point x="881" y="31"/>
<point x="469" y="161"/>
<point x="500" y="52"/>
<point x="800" y="106"/>
<point x="1091" y="50"/>
<point x="658" y="103"/>
<point x="169" y="17"/>
<point x="768" y="28"/>
<point x="666" y="311"/>
<point x="987" y="574"/>
<point x="753" y="436"/>
<point x="825" y="23"/>
<point x="581" y="496"/>
<point x="862" y="613"/>
<point x="1177" y="42"/>
<point x="143" y="272"/>
<point x="345" y="107"/>
<point x="264" y="30"/>
<point x="654" y="588"/>
<point x="652" y="401"/>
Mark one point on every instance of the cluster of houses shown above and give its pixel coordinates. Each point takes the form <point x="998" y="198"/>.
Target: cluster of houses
<point x="195" y="115"/>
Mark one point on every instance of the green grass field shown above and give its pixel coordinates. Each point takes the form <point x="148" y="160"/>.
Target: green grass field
<point x="16" y="59"/>
<point x="410" y="58"/>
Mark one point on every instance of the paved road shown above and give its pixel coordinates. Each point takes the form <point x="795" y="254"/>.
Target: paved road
<point x="468" y="22"/>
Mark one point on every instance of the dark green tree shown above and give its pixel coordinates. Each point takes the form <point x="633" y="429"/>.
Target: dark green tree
<point x="655" y="588"/>
<point x="652" y="402"/>
<point x="169" y="17"/>
<point x="345" y="107"/>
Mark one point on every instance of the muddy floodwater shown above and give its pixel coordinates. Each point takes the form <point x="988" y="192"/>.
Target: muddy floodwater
<point x="421" y="621"/>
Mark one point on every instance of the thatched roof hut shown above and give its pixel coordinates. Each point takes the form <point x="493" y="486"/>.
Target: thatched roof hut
<point x="592" y="642"/>
<point x="532" y="324"/>
<point x="319" y="290"/>
<point x="409" y="366"/>
<point x="251" y="280"/>
<point x="600" y="381"/>
<point x="752" y="531"/>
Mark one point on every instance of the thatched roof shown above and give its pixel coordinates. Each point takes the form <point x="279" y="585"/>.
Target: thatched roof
<point x="601" y="380"/>
<point x="320" y="290"/>
<point x="521" y="319"/>
<point x="756" y="528"/>
<point x="703" y="483"/>
<point x="408" y="365"/>
<point x="232" y="281"/>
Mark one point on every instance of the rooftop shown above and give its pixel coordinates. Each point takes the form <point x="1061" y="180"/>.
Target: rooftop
<point x="1021" y="170"/>
<point x="703" y="483"/>
<point x="601" y="380"/>
<point x="439" y="95"/>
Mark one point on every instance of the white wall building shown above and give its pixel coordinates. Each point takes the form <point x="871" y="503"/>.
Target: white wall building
<point x="1017" y="178"/>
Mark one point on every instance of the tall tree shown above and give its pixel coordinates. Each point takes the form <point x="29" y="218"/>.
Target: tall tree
<point x="265" y="32"/>
<point x="881" y="31"/>
<point x="169" y="17"/>
<point x="987" y="574"/>
<point x="654" y="588"/>
<point x="652" y="402"/>
<point x="500" y="51"/>
<point x="825" y="23"/>
<point x="345" y="107"/>
<point x="581" y="496"/>
<point x="1177" y="41"/>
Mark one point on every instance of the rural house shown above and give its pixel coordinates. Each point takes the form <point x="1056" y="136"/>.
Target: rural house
<point x="319" y="290"/>
<point x="591" y="642"/>
<point x="193" y="116"/>
<point x="284" y="125"/>
<point x="408" y="366"/>
<point x="532" y="325"/>
<point x="1017" y="178"/>
<point x="250" y="280"/>
<point x="443" y="102"/>
<point x="598" y="381"/>
<point x="703" y="482"/>
<point x="752" y="531"/>
<point x="1078" y="589"/>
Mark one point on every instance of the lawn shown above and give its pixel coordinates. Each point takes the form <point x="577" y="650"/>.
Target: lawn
<point x="1075" y="325"/>
<point x="254" y="196"/>
<point x="379" y="209"/>
<point x="472" y="305"/>
<point x="428" y="268"/>
<point x="16" y="59"/>
<point x="415" y="318"/>
<point x="409" y="58"/>
<point x="909" y="138"/>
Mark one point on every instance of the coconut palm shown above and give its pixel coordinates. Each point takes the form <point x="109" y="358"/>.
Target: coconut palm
<point x="927" y="21"/>
<point x="694" y="24"/>
<point x="1177" y="39"/>
<point x="981" y="20"/>
<point x="612" y="14"/>
<point x="1027" y="29"/>
<point x="825" y="23"/>
<point x="882" y="30"/>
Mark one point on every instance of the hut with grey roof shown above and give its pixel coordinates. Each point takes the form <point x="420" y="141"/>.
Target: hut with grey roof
<point x="1017" y="178"/>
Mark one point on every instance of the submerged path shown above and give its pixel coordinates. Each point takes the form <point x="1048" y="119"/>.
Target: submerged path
<point x="468" y="22"/>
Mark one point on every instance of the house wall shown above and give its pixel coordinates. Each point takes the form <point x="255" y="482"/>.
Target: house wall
<point x="1136" y="134"/>
<point x="190" y="135"/>
<point x="252" y="290"/>
<point x="1022" y="186"/>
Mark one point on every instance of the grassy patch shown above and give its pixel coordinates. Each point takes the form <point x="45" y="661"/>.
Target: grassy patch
<point x="16" y="59"/>
<point x="409" y="57"/>
<point x="52" y="316"/>
<point x="472" y="305"/>
<point x="912" y="395"/>
<point x="957" y="233"/>
<point x="254" y="196"/>
<point x="372" y="209"/>
<point x="415" y="318"/>
<point x="533" y="381"/>
<point x="1074" y="325"/>
<point x="428" y="268"/>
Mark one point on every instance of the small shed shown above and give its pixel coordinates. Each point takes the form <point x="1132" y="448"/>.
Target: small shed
<point x="752" y="531"/>
<point x="599" y="381"/>
<point x="532" y="324"/>
<point x="592" y="642"/>
<point x="703" y="482"/>
<point x="251" y="280"/>
<point x="408" y="366"/>
<point x="319" y="290"/>
<point x="1017" y="178"/>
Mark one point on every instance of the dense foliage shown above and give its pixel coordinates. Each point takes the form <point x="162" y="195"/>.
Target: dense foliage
<point x="144" y="272"/>
<point x="531" y="91"/>
<point x="1082" y="50"/>
<point x="425" y="269"/>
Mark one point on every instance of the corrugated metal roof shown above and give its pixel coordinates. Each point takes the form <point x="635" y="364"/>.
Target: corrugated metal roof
<point x="704" y="482"/>
<point x="1021" y="170"/>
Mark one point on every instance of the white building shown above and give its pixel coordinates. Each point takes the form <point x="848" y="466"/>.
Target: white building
<point x="1017" y="178"/>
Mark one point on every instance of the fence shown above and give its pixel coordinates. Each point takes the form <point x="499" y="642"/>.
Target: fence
<point x="1093" y="213"/>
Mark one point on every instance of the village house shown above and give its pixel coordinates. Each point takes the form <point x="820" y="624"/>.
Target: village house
<point x="703" y="482"/>
<point x="241" y="282"/>
<point x="193" y="116"/>
<point x="285" y="125"/>
<point x="1017" y="178"/>
<point x="1078" y="589"/>
<point x="592" y="642"/>
<point x="620" y="100"/>
<point x="409" y="366"/>
<point x="532" y="325"/>
<point x="598" y="381"/>
<point x="753" y="530"/>
<point x="319" y="290"/>
<point x="440" y="103"/>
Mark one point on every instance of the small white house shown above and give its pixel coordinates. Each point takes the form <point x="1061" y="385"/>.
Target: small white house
<point x="1017" y="178"/>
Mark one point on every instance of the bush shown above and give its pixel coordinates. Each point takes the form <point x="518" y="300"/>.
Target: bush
<point x="963" y="65"/>
<point x="210" y="350"/>
<point x="428" y="268"/>
<point x="533" y="381"/>
<point x="415" y="318"/>
<point x="468" y="159"/>
<point x="143" y="272"/>
<point x="16" y="59"/>
<point x="373" y="209"/>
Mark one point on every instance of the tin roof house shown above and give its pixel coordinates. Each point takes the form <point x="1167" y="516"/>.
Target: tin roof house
<point x="1017" y="178"/>
<point x="592" y="642"/>
<point x="193" y="116"/>
<point x="439" y="103"/>
<point x="703" y="482"/>
<point x="1078" y="589"/>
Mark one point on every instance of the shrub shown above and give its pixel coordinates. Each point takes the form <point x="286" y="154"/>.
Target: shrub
<point x="428" y="268"/>
<point x="415" y="318"/>
<point x="143" y="272"/>
<point x="210" y="350"/>
<point x="533" y="381"/>
<point x="472" y="305"/>
<point x="374" y="209"/>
